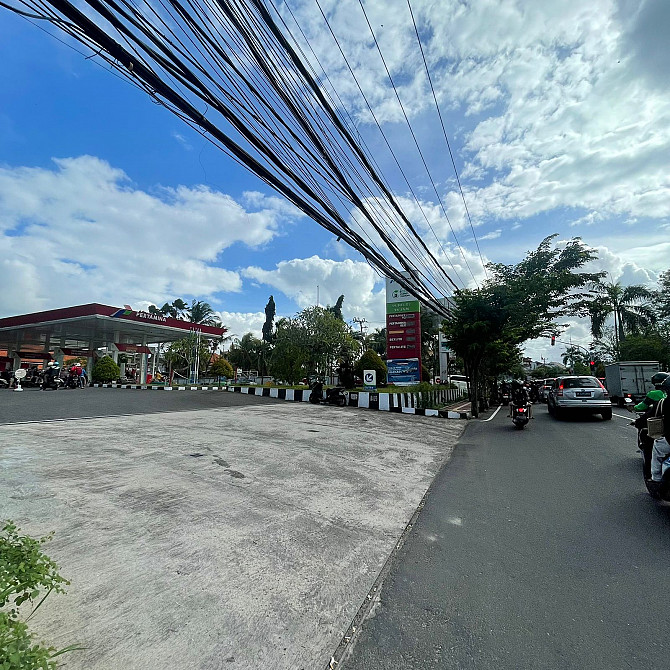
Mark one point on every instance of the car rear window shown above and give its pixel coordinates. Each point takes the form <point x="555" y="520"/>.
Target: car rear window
<point x="580" y="382"/>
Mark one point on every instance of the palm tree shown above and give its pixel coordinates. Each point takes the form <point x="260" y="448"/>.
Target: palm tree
<point x="203" y="313"/>
<point x="627" y="304"/>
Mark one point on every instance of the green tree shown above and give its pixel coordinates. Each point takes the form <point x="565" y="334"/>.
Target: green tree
<point x="309" y="344"/>
<point x="370" y="360"/>
<point x="105" y="370"/>
<point x="627" y="305"/>
<point x="221" y="368"/>
<point x="651" y="347"/>
<point x="547" y="372"/>
<point x="181" y="355"/>
<point x="268" y="326"/>
<point x="203" y="313"/>
<point x="377" y="341"/>
<point x="336" y="309"/>
<point x="246" y="352"/>
<point x="518" y="302"/>
<point x="662" y="296"/>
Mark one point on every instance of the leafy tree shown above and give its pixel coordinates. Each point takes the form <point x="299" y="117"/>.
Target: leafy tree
<point x="105" y="370"/>
<point x="377" y="341"/>
<point x="627" y="305"/>
<point x="268" y="326"/>
<point x="370" y="360"/>
<point x="181" y="355"/>
<point x="650" y="347"/>
<point x="547" y="372"/>
<point x="203" y="313"/>
<point x="336" y="309"/>
<point x="221" y="368"/>
<point x="309" y="344"/>
<point x="662" y="296"/>
<point x="246" y="352"/>
<point x="517" y="303"/>
<point x="345" y="369"/>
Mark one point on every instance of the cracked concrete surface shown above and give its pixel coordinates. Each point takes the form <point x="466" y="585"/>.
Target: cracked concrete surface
<point x="240" y="537"/>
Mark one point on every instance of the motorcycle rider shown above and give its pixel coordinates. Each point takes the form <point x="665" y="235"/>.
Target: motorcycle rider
<point x="646" y="408"/>
<point x="519" y="397"/>
<point x="650" y="400"/>
<point x="661" y="448"/>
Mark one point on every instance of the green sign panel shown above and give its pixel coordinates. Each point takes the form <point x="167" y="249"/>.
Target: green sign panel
<point x="402" y="307"/>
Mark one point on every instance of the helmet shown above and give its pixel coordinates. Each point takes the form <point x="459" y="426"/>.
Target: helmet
<point x="665" y="385"/>
<point x="50" y="364"/>
<point x="516" y="384"/>
<point x="659" y="378"/>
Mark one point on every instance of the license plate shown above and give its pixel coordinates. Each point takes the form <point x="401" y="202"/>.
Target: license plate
<point x="583" y="394"/>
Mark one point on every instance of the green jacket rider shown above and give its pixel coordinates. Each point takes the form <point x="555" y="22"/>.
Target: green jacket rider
<point x="654" y="396"/>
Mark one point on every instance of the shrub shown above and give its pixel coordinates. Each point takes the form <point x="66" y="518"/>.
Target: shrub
<point x="371" y="360"/>
<point x="221" y="368"/>
<point x="105" y="370"/>
<point x="26" y="574"/>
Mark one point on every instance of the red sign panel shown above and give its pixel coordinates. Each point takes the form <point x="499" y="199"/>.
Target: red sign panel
<point x="403" y="335"/>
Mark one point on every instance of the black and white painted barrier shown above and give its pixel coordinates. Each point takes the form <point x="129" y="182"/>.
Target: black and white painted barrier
<point x="405" y="403"/>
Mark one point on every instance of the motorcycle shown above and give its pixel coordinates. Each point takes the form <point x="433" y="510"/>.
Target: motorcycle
<point x="52" y="380"/>
<point x="520" y="416"/>
<point x="334" y="396"/>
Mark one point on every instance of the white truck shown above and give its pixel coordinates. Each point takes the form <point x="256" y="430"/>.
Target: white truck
<point x="630" y="379"/>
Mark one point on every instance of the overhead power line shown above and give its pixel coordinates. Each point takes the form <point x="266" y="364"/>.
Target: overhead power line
<point x="226" y="69"/>
<point x="446" y="139"/>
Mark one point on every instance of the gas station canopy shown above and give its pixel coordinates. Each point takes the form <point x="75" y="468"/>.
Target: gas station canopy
<point x="85" y="328"/>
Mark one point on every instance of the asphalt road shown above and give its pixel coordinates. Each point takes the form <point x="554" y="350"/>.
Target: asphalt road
<point x="37" y="405"/>
<point x="536" y="549"/>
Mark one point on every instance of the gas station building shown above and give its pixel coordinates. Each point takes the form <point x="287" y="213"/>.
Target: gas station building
<point x="82" y="330"/>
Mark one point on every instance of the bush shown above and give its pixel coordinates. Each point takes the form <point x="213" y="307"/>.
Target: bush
<point x="221" y="368"/>
<point x="105" y="370"/>
<point x="371" y="360"/>
<point x="26" y="574"/>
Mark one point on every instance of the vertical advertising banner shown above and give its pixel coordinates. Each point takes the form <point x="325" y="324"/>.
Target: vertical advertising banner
<point x="403" y="335"/>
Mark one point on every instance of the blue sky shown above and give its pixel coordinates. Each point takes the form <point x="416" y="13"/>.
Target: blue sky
<point x="558" y="117"/>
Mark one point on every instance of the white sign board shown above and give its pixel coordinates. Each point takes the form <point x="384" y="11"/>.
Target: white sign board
<point x="370" y="377"/>
<point x="239" y="371"/>
<point x="20" y="373"/>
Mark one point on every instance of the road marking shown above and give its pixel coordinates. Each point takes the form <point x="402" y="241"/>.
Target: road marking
<point x="492" y="415"/>
<point x="628" y="418"/>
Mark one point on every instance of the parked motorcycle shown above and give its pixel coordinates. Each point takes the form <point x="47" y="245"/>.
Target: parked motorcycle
<point x="520" y="416"/>
<point x="334" y="396"/>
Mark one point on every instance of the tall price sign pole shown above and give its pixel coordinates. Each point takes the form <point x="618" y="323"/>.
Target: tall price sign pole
<point x="403" y="335"/>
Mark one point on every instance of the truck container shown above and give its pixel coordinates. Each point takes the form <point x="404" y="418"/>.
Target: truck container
<point x="630" y="379"/>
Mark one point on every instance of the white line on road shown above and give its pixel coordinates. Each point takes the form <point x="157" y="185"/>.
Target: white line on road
<point x="628" y="418"/>
<point x="492" y="415"/>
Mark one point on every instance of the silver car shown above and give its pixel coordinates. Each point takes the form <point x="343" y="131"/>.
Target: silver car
<point x="579" y="394"/>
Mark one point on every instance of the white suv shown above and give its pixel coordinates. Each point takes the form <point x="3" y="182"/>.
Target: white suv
<point x="579" y="394"/>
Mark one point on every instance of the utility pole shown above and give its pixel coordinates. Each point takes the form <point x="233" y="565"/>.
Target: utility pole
<point x="361" y="323"/>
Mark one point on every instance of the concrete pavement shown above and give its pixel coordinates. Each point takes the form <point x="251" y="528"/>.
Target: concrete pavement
<point x="234" y="536"/>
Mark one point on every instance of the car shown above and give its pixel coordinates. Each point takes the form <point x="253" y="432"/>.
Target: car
<point x="579" y="393"/>
<point x="545" y="388"/>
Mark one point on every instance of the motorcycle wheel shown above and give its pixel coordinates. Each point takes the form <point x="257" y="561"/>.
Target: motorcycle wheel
<point x="314" y="400"/>
<point x="341" y="402"/>
<point x="518" y="425"/>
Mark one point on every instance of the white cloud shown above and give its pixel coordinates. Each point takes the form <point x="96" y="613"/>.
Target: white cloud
<point x="82" y="232"/>
<point x="493" y="235"/>
<point x="241" y="323"/>
<point x="364" y="293"/>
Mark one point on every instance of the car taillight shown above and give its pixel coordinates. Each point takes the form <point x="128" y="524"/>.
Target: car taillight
<point x="560" y="390"/>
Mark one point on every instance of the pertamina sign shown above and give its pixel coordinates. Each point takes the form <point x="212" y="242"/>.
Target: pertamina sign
<point x="403" y="332"/>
